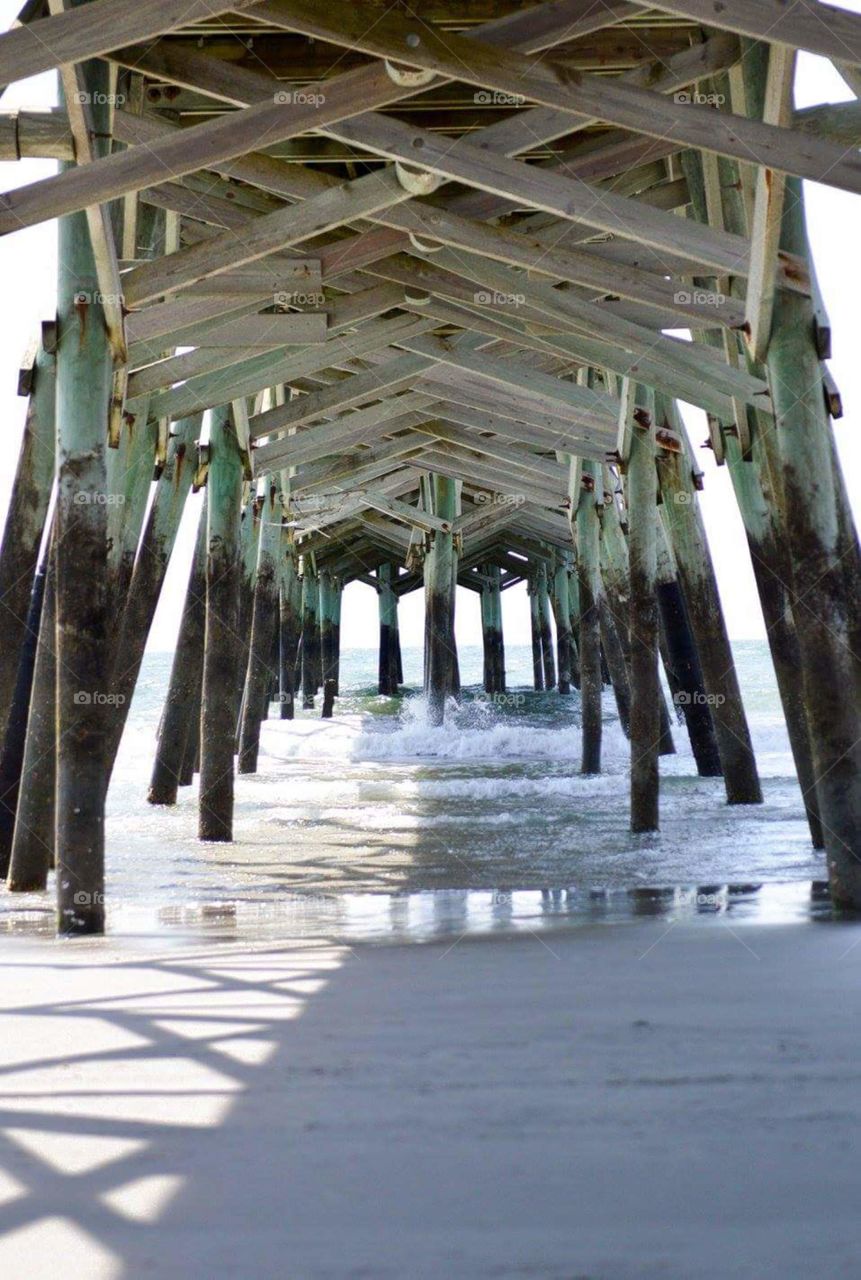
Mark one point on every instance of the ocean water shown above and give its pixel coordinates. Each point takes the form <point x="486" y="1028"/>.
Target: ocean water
<point x="375" y="823"/>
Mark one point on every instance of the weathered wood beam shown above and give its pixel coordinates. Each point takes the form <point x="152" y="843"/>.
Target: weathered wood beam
<point x="164" y="373"/>
<point x="251" y="376"/>
<point x="768" y="208"/>
<point x="332" y="437"/>
<point x="263" y="235"/>
<point x="383" y="380"/>
<point x="226" y="138"/>
<point x="594" y="409"/>
<point x="819" y="28"/>
<point x="86" y="93"/>
<point x="94" y="29"/>
<point x="36" y="134"/>
<point x="262" y="332"/>
<point x="592" y="97"/>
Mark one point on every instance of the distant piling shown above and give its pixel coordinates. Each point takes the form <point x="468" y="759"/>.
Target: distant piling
<point x="264" y="631"/>
<point x="178" y="726"/>
<point x="591" y="685"/>
<point x="641" y="493"/>
<point x="439" y="577"/>
<point x="218" y="712"/>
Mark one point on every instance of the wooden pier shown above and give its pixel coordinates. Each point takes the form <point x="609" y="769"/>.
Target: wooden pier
<point x="414" y="295"/>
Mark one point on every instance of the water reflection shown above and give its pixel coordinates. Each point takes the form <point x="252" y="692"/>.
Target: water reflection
<point x="450" y="913"/>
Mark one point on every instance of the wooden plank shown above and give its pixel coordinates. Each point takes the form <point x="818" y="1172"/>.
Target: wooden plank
<point x="263" y="235"/>
<point x="203" y="146"/>
<point x="818" y="28"/>
<point x="328" y="437"/>
<point x="627" y="405"/>
<point x="196" y="368"/>
<point x="542" y="254"/>
<point x="95" y="29"/>
<point x="406" y="514"/>
<point x="580" y="316"/>
<point x="36" y="134"/>
<point x="251" y="376"/>
<point x="88" y="123"/>
<point x="593" y="97"/>
<point x="520" y="459"/>
<point x="266" y="331"/>
<point x="567" y="198"/>
<point x="386" y="379"/>
<point x="592" y="408"/>
<point x="232" y="136"/>
<point x="768" y="209"/>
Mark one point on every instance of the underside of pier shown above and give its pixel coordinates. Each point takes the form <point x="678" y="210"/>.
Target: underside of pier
<point x="415" y="294"/>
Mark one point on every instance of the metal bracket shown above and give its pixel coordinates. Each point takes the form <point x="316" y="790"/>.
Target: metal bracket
<point x="408" y="77"/>
<point x="418" y="182"/>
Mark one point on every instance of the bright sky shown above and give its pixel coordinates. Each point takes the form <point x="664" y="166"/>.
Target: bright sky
<point x="28" y="275"/>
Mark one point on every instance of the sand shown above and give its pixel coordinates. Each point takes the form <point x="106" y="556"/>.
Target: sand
<point x="640" y="1100"/>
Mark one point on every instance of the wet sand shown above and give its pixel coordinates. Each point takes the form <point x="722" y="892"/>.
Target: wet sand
<point x="648" y="1099"/>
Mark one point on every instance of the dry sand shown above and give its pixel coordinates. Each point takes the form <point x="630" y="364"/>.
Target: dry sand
<point x="642" y="1100"/>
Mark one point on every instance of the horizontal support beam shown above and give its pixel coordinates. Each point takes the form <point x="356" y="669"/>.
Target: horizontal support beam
<point x="96" y="28"/>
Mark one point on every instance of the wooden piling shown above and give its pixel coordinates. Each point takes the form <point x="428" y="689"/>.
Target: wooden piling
<point x="588" y="556"/>
<point x="815" y="527"/>
<point x="249" y="542"/>
<point x="311" y="658"/>
<point x="497" y="638"/>
<point x="387" y="605"/>
<point x="177" y="724"/>
<point x="683" y="523"/>
<point x="491" y="630"/>
<point x="439" y="574"/>
<point x="33" y="840"/>
<point x="25" y="522"/>
<point x="130" y="474"/>
<point x="329" y="591"/>
<point x="545" y="630"/>
<point x="755" y="472"/>
<point x="642" y="493"/>
<point x="682" y="663"/>
<point x="290" y="625"/>
<point x="157" y="541"/>
<point x="264" y="630"/>
<point x="12" y="753"/>
<point x="335" y="652"/>
<point x="616" y="665"/>
<point x="218" y="712"/>
<point x="535" y="630"/>
<point x="562" y="616"/>
<point x="84" y="383"/>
